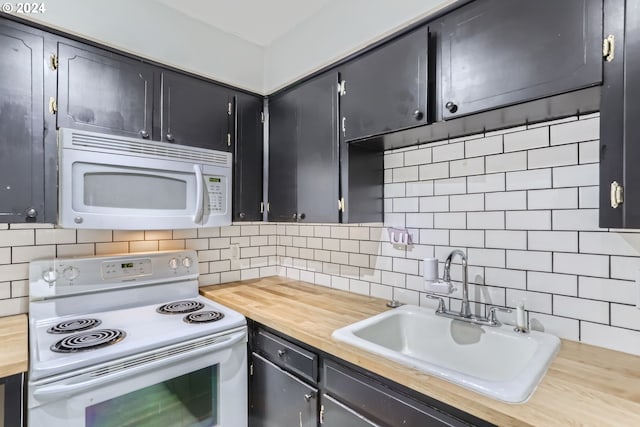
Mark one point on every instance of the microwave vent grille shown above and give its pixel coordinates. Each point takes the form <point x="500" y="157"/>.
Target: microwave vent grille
<point x="151" y="149"/>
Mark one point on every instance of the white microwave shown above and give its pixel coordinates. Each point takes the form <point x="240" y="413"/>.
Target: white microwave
<point x="121" y="183"/>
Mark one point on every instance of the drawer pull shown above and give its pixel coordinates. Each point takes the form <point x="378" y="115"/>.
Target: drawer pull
<point x="281" y="353"/>
<point x="308" y="396"/>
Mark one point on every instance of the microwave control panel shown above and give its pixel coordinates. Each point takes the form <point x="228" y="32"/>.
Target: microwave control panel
<point x="217" y="190"/>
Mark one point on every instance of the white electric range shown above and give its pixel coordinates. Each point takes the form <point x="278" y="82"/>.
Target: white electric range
<point x="128" y="341"/>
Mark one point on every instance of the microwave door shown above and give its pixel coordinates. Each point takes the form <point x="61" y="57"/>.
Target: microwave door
<point x="123" y="192"/>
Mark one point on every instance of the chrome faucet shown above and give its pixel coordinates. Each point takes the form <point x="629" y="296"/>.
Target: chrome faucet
<point x="465" y="309"/>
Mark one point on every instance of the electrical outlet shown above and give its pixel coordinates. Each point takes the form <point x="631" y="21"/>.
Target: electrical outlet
<point x="235" y="251"/>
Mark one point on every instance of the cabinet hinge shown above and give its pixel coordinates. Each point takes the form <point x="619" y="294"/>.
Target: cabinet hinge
<point x="229" y="108"/>
<point x="341" y="205"/>
<point x="228" y="140"/>
<point x="609" y="47"/>
<point x="53" y="105"/>
<point x="262" y="117"/>
<point x="261" y="207"/>
<point x="617" y="194"/>
<point x="342" y="88"/>
<point x="53" y="61"/>
<point x="344" y="126"/>
<point x="321" y="414"/>
<point x="251" y="370"/>
<point x="268" y="207"/>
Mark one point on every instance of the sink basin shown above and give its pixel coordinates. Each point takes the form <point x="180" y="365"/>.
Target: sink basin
<point x="495" y="361"/>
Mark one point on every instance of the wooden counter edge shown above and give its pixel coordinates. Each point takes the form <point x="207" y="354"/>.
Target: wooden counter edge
<point x="14" y="353"/>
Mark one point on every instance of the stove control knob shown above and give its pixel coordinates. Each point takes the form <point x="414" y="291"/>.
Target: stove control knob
<point x="49" y="275"/>
<point x="173" y="263"/>
<point x="187" y="262"/>
<point x="71" y="273"/>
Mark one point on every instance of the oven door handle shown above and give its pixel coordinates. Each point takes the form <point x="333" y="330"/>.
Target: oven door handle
<point x="55" y="389"/>
<point x="197" y="215"/>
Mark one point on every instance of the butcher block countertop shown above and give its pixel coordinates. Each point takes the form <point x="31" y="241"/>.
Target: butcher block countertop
<point x="585" y="385"/>
<point x="14" y="345"/>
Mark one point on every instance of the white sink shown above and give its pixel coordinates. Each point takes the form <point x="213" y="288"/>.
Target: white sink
<point x="494" y="361"/>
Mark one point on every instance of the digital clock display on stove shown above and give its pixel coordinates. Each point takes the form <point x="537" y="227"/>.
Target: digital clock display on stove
<point x="127" y="265"/>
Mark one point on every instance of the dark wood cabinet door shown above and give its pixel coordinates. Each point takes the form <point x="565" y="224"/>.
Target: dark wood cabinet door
<point x="103" y="92"/>
<point x="277" y="398"/>
<point x="283" y="160"/>
<point x="335" y="414"/>
<point x="386" y="89"/>
<point x="21" y="124"/>
<point x="247" y="158"/>
<point x="318" y="157"/>
<point x="195" y="112"/>
<point x="496" y="53"/>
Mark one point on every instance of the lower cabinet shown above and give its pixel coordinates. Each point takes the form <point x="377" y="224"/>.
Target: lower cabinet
<point x="292" y="384"/>
<point x="12" y="401"/>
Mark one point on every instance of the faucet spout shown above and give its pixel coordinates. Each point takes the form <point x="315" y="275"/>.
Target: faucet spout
<point x="465" y="310"/>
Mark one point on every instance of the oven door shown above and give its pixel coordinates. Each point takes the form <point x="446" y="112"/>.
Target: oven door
<point x="199" y="383"/>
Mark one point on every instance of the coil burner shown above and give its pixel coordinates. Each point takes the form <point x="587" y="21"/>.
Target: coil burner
<point x="75" y="325"/>
<point x="203" y="317"/>
<point x="89" y="340"/>
<point x="180" y="307"/>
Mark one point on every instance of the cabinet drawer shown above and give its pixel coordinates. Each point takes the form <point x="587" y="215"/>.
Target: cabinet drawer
<point x="379" y="403"/>
<point x="287" y="355"/>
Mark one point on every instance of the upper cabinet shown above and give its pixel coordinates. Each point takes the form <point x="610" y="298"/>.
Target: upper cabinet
<point x="247" y="158"/>
<point x="21" y="124"/>
<point x="103" y="92"/>
<point x="303" y="152"/>
<point x="385" y="90"/>
<point x="195" y="112"/>
<point x="496" y="53"/>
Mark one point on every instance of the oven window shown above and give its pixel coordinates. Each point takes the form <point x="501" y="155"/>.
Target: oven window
<point x="187" y="401"/>
<point x="134" y="191"/>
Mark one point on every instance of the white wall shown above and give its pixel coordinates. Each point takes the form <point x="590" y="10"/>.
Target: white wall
<point x="152" y="30"/>
<point x="337" y="30"/>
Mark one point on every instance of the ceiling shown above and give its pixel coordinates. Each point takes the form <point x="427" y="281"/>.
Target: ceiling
<point x="259" y="21"/>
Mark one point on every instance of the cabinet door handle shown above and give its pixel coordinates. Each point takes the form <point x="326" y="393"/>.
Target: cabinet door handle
<point x="281" y="353"/>
<point x="32" y="213"/>
<point x="170" y="137"/>
<point x="144" y="134"/>
<point x="242" y="215"/>
<point x="418" y="115"/>
<point x="344" y="127"/>
<point x="451" y="107"/>
<point x="308" y="397"/>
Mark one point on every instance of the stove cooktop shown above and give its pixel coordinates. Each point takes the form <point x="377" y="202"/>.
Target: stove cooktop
<point x="129" y="331"/>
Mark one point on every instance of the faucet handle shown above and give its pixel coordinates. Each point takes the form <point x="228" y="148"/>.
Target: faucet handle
<point x="440" y="308"/>
<point x="492" y="313"/>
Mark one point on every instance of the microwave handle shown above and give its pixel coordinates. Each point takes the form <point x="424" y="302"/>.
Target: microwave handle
<point x="197" y="216"/>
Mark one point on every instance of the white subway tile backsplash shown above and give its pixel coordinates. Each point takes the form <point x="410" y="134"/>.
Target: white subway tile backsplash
<point x="54" y="236"/>
<point x="529" y="180"/>
<point x="450" y="186"/>
<point x="506" y="239"/>
<point x="485" y="220"/>
<point x="578" y="219"/>
<point x="467" y="167"/>
<point x="583" y="309"/>
<point x="486" y="257"/>
<point x="419" y="220"/>
<point x="620" y="291"/>
<point x="588" y="197"/>
<point x="625" y="316"/>
<point x="553" y="283"/>
<point x="29" y="253"/>
<point x="409" y="173"/>
<point x="450" y="220"/>
<point x="486" y="183"/>
<point x="505" y="201"/>
<point x="417" y="157"/>
<point x="448" y="152"/>
<point x="580" y="264"/>
<point x="526" y="140"/>
<point x="434" y="237"/>
<point x="564" y="198"/>
<point x="466" y="238"/>
<point x="434" y="204"/>
<point x="406" y="204"/>
<point x="575" y="176"/>
<point x="393" y="160"/>
<point x="610" y="243"/>
<point x="434" y="171"/>
<point x="92" y="236"/>
<point x="483" y="146"/>
<point x="557" y="241"/>
<point x="528" y="220"/>
<point x="529" y="260"/>
<point x="589" y="152"/>
<point x="624" y="267"/>
<point x="533" y="301"/>
<point x="576" y="131"/>
<point x="559" y="326"/>
<point x="466" y="202"/>
<point x="422" y="188"/>
<point x="553" y="156"/>
<point x="514" y="279"/>
<point x="611" y="337"/>
<point x="394" y="190"/>
<point x="507" y="162"/>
